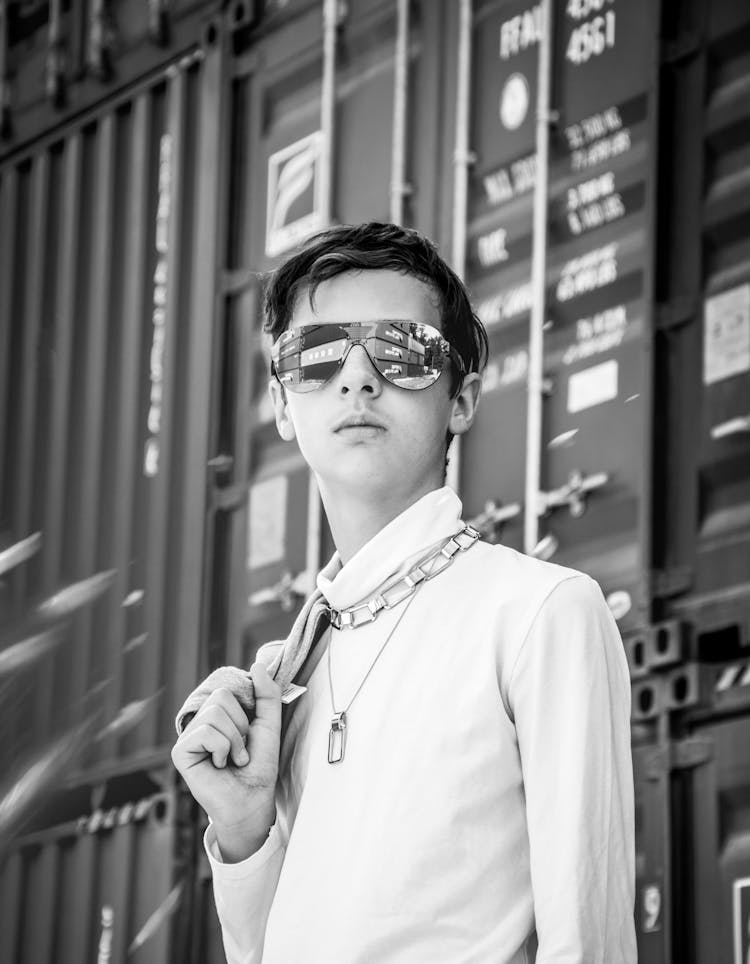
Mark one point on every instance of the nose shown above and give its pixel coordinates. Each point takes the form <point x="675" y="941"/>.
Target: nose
<point x="358" y="374"/>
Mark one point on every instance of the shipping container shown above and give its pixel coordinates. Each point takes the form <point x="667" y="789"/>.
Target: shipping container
<point x="96" y="887"/>
<point x="156" y="159"/>
<point x="702" y="539"/>
<point x="109" y="238"/>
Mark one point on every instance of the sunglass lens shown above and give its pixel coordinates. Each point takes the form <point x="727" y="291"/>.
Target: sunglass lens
<point x="308" y="358"/>
<point x="404" y="367"/>
<point x="409" y="355"/>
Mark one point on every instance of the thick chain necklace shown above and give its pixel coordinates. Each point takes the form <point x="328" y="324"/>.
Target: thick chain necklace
<point x="429" y="567"/>
<point x="388" y="598"/>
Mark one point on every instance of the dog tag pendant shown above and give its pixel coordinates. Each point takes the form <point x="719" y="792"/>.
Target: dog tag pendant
<point x="337" y="738"/>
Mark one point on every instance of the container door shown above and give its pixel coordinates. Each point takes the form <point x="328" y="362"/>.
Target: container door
<point x="275" y="534"/>
<point x="505" y="38"/>
<point x="703" y="537"/>
<point x="597" y="408"/>
<point x="597" y="441"/>
<point x="719" y="824"/>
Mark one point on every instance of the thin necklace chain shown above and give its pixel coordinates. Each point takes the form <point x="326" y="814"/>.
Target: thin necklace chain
<point x="405" y="593"/>
<point x="372" y="665"/>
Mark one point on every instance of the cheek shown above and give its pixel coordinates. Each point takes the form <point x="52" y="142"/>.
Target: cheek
<point x="307" y="427"/>
<point x="427" y="426"/>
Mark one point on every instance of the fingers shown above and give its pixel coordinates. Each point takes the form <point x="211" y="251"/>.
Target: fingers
<point x="224" y="698"/>
<point x="219" y="729"/>
<point x="206" y="740"/>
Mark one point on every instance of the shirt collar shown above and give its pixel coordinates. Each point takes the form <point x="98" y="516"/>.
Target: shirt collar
<point x="427" y="521"/>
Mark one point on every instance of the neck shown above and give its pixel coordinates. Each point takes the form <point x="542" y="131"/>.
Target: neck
<point x="356" y="517"/>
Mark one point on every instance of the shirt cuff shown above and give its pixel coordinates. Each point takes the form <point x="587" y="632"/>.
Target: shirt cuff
<point x="243" y="868"/>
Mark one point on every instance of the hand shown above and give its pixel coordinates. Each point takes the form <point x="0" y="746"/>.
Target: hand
<point x="231" y="765"/>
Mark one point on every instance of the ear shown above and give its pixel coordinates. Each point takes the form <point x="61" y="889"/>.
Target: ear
<point x="465" y="404"/>
<point x="284" y="423"/>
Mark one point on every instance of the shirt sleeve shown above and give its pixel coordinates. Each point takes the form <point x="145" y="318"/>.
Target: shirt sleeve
<point x="570" y="697"/>
<point x="243" y="893"/>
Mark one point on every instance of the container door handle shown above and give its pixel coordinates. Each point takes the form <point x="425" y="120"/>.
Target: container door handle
<point x="285" y="592"/>
<point x="573" y="494"/>
<point x="735" y="426"/>
<point x="491" y="521"/>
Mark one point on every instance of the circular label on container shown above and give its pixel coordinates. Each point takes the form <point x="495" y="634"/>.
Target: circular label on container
<point x="514" y="102"/>
<point x="619" y="603"/>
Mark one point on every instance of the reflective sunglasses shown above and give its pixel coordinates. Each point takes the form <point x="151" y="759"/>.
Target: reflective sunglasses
<point x="407" y="354"/>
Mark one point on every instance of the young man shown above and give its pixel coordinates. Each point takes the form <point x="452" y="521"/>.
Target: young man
<point x="455" y="783"/>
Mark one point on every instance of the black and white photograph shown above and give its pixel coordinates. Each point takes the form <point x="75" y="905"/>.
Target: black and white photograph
<point x="374" y="482"/>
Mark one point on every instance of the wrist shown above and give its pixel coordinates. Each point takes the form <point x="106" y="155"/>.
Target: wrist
<point x="237" y="842"/>
<point x="235" y="847"/>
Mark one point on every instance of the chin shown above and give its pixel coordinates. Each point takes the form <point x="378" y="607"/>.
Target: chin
<point x="362" y="474"/>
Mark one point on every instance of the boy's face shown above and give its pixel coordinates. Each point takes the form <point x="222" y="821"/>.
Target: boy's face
<point x="400" y="451"/>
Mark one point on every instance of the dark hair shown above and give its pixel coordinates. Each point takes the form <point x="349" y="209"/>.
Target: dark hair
<point x="370" y="246"/>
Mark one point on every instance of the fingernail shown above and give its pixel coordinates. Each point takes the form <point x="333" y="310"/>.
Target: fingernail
<point x="243" y="757"/>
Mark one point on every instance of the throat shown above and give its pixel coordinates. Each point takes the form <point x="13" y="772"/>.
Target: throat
<point x="357" y="517"/>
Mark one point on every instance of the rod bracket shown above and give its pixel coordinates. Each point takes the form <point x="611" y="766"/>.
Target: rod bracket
<point x="101" y="42"/>
<point x="158" y="22"/>
<point x="686" y="754"/>
<point x="6" y="123"/>
<point x="55" y="70"/>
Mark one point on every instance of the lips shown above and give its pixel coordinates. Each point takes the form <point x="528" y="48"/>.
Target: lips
<point x="362" y="420"/>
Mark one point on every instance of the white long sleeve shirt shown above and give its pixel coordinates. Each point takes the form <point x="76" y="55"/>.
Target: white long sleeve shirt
<point x="485" y="801"/>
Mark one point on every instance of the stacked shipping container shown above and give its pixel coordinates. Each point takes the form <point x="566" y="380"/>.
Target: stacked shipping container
<point x="140" y="197"/>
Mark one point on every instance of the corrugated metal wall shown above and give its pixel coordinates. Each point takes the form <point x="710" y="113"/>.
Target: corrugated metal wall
<point x="93" y="889"/>
<point x="106" y="310"/>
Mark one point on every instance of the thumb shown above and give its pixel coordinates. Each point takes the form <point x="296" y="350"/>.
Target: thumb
<point x="267" y="697"/>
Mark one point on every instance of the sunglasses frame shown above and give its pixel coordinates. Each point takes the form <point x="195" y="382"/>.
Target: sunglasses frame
<point x="447" y="351"/>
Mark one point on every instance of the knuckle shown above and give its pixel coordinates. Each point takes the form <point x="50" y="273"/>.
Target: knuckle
<point x="210" y="713"/>
<point x="222" y="696"/>
<point x="206" y="735"/>
<point x="228" y="702"/>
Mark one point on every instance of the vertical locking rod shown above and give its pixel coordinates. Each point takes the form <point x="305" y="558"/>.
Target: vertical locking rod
<point x="399" y="188"/>
<point x="462" y="159"/>
<point x="538" y="285"/>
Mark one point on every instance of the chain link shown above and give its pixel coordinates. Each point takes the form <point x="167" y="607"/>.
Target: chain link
<point x="426" y="569"/>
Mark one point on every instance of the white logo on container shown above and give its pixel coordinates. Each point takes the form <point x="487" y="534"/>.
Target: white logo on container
<point x="294" y="181"/>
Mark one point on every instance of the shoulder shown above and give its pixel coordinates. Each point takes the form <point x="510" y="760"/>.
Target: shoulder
<point x="540" y="591"/>
<point x="527" y="604"/>
<point x="512" y="576"/>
